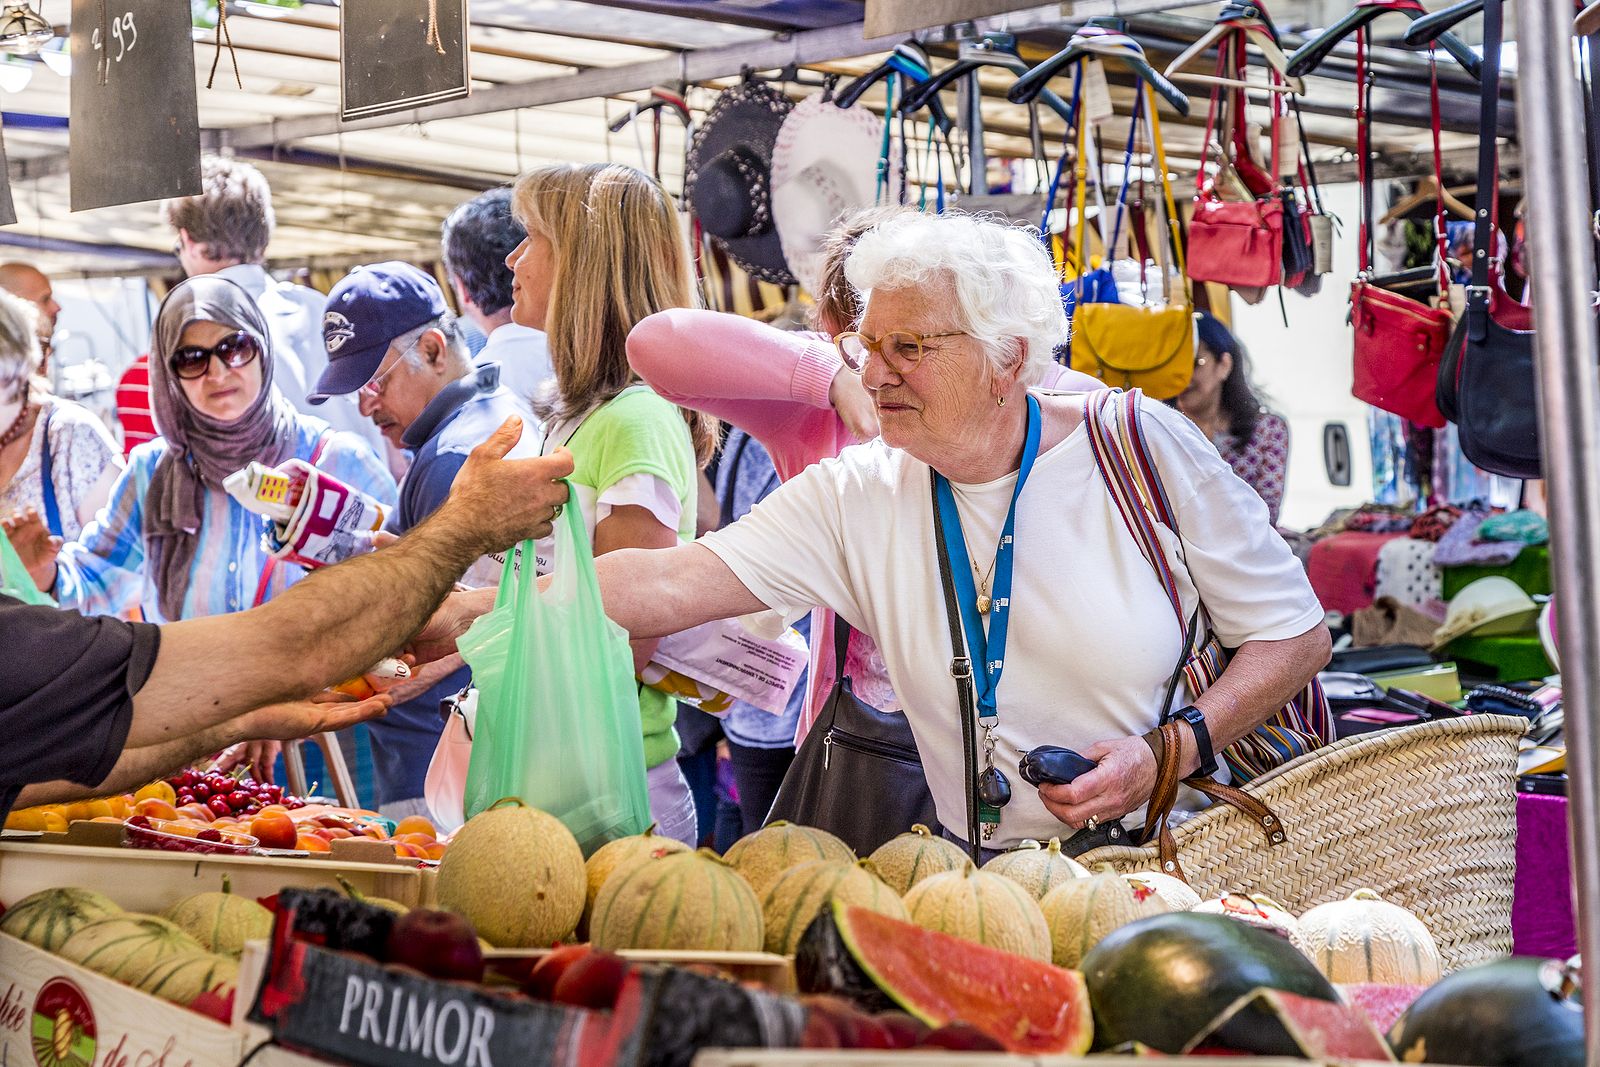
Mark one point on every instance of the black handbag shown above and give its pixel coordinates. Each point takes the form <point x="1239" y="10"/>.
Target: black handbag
<point x="857" y="775"/>
<point x="1486" y="378"/>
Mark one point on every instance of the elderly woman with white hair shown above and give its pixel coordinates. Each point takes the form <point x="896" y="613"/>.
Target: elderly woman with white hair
<point x="1068" y="627"/>
<point x="57" y="459"/>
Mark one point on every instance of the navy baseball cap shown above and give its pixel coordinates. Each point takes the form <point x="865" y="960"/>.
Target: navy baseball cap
<point x="365" y="312"/>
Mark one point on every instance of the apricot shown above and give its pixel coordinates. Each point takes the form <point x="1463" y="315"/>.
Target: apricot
<point x="157" y="791"/>
<point x="416" y="824"/>
<point x="308" y="843"/>
<point x="153" y="808"/>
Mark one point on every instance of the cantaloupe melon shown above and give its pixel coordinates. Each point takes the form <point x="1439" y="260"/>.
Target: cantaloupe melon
<point x="1037" y="868"/>
<point x="181" y="979"/>
<point x="221" y="922"/>
<point x="50" y="916"/>
<point x="623" y="854"/>
<point x="126" y="947"/>
<point x="981" y="907"/>
<point x="1364" y="938"/>
<point x="1084" y="910"/>
<point x="1258" y="911"/>
<point x="764" y="855"/>
<point x="687" y="900"/>
<point x="516" y="874"/>
<point x="801" y="892"/>
<point x="907" y="859"/>
<point x="1179" y="895"/>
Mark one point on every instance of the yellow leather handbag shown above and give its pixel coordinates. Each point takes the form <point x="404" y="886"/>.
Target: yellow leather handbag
<point x="1131" y="346"/>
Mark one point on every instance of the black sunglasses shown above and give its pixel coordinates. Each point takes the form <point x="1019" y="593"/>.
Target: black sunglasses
<point x="235" y="350"/>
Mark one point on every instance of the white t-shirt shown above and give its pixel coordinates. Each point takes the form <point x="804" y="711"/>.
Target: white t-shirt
<point x="1093" y="639"/>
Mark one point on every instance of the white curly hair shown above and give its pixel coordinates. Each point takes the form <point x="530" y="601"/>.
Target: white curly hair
<point x="20" y="354"/>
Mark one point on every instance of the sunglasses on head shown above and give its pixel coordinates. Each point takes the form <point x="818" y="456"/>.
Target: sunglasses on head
<point x="235" y="350"/>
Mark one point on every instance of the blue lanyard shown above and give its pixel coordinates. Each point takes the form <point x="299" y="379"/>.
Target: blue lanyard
<point x="990" y="651"/>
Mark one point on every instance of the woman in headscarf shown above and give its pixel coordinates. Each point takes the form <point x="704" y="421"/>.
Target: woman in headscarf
<point x="171" y="542"/>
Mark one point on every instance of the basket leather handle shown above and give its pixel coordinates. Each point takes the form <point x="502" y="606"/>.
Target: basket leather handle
<point x="1165" y="795"/>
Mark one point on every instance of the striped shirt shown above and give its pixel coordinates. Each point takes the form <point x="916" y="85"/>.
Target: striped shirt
<point x="104" y="573"/>
<point x="133" y="405"/>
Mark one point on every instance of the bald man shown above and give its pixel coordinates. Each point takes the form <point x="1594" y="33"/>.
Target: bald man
<point x="33" y="285"/>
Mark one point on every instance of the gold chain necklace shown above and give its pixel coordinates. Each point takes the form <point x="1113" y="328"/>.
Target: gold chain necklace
<point x="984" y="602"/>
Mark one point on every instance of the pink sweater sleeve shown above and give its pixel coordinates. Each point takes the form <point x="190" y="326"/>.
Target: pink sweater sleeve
<point x="771" y="383"/>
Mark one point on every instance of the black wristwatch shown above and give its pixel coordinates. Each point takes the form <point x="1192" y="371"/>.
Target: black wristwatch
<point x="1202" y="740"/>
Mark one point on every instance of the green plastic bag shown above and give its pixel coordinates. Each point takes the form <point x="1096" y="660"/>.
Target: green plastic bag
<point x="15" y="581"/>
<point x="558" y="709"/>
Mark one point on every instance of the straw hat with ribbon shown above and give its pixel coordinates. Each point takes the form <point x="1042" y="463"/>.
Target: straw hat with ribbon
<point x="824" y="166"/>
<point x="729" y="181"/>
<point x="1489" y="606"/>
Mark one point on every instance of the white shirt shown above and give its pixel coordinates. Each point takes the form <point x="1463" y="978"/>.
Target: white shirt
<point x="1093" y="639"/>
<point x="294" y="322"/>
<point x="524" y="358"/>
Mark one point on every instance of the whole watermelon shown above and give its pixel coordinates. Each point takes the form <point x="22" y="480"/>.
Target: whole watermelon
<point x="1519" y="1012"/>
<point x="1194" y="966"/>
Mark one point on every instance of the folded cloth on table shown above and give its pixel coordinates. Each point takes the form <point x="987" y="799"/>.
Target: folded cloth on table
<point x="1460" y="547"/>
<point x="1432" y="524"/>
<point x="1525" y="527"/>
<point x="1406" y="574"/>
<point x="1343" y="569"/>
<point x="1389" y="622"/>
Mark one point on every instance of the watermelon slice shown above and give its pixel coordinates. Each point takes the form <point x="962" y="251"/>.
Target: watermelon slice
<point x="1384" y="1004"/>
<point x="1026" y="1005"/>
<point x="1271" y="1022"/>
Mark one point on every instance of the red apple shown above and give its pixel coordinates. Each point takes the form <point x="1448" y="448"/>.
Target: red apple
<point x="541" y="981"/>
<point x="592" y="982"/>
<point x="437" y="943"/>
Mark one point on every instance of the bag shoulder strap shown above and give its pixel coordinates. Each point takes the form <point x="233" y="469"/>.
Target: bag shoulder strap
<point x="1488" y="164"/>
<point x="52" y="509"/>
<point x="961" y="671"/>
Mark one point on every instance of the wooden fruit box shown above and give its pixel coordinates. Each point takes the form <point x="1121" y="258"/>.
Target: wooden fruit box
<point x="56" y="1012"/>
<point x="149" y="881"/>
<point x="763" y="968"/>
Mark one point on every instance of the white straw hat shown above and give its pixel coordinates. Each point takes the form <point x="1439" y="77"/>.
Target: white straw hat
<point x="1489" y="606"/>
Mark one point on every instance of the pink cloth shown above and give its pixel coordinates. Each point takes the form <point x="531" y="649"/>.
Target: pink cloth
<point x="1344" y="569"/>
<point x="773" y="384"/>
<point x="1542" y="921"/>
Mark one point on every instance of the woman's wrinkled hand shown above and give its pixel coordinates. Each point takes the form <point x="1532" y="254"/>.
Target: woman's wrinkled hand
<point x="854" y="405"/>
<point x="1121" y="782"/>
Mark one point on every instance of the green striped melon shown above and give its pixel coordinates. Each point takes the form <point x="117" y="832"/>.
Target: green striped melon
<point x="801" y="892"/>
<point x="1037" y="868"/>
<point x="764" y="855"/>
<point x="126" y="947"/>
<point x="50" y="916"/>
<point x="1366" y="939"/>
<point x="221" y="922"/>
<point x="1084" y="910"/>
<point x="516" y="874"/>
<point x="181" y="979"/>
<point x="905" y="860"/>
<point x="623" y="854"/>
<point x="982" y="907"/>
<point x="687" y="900"/>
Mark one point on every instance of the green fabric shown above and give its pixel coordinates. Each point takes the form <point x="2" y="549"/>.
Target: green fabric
<point x="640" y="433"/>
<point x="1530" y="571"/>
<point x="1529" y="527"/>
<point x="1507" y="658"/>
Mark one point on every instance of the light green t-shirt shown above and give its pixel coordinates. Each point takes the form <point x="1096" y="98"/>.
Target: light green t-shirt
<point x="636" y="433"/>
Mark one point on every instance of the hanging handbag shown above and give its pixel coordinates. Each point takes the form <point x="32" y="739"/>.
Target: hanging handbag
<point x="857" y="775"/>
<point x="1398" y="340"/>
<point x="1236" y="242"/>
<point x="1147" y="347"/>
<point x="1486" y="382"/>
<point x="1319" y="224"/>
<point x="1134" y="481"/>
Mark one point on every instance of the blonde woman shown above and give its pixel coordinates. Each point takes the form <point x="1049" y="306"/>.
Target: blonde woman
<point x="603" y="251"/>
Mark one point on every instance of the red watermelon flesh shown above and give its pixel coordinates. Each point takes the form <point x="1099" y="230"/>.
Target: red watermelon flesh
<point x="1026" y="1005"/>
<point x="1384" y="1004"/>
<point x="1317" y="1029"/>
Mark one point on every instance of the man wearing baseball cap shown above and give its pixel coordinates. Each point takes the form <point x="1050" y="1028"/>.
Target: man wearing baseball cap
<point x="393" y="342"/>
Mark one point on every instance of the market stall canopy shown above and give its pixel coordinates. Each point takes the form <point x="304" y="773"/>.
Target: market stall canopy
<point x="548" y="78"/>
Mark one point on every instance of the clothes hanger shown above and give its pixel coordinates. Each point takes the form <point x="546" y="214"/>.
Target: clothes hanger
<point x="660" y="100"/>
<point x="1249" y="19"/>
<point x="1588" y="21"/>
<point x="1310" y="55"/>
<point x="990" y="50"/>
<point x="1427" y="192"/>
<point x="1106" y="37"/>
<point x="907" y="59"/>
<point x="792" y="74"/>
<point x="1423" y="31"/>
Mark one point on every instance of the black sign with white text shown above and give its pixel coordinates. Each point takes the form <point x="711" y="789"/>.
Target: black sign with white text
<point x="395" y="55"/>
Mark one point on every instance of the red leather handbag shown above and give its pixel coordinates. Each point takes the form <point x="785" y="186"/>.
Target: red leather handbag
<point x="1399" y="340"/>
<point x="1236" y="242"/>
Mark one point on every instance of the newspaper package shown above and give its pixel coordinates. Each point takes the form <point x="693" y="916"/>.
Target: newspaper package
<point x="756" y="658"/>
<point x="315" y="518"/>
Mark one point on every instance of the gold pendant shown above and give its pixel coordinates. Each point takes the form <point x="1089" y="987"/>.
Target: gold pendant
<point x="984" y="603"/>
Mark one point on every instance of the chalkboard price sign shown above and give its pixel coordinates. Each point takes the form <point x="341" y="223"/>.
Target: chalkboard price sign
<point x="135" y="122"/>
<point x="395" y="55"/>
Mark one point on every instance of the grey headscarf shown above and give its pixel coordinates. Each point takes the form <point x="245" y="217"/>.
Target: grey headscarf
<point x="202" y="451"/>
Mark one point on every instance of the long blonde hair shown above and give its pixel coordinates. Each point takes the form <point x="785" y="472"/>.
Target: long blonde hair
<point x="620" y="256"/>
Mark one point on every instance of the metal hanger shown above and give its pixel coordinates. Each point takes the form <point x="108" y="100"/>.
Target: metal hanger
<point x="792" y="74"/>
<point x="1100" y="37"/>
<point x="990" y="50"/>
<point x="1423" y="31"/>
<point x="1310" y="55"/>
<point x="1251" y="22"/>
<point x="660" y="100"/>
<point x="909" y="60"/>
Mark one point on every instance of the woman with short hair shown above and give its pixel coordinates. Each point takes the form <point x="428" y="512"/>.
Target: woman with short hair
<point x="961" y="318"/>
<point x="56" y="458"/>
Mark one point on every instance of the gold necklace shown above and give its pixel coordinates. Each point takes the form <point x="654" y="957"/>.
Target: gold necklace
<point x="984" y="602"/>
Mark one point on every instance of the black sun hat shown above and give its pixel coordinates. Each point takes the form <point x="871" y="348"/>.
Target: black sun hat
<point x="728" y="181"/>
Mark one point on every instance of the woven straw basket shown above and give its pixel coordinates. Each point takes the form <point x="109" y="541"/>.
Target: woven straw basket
<point x="1425" y="815"/>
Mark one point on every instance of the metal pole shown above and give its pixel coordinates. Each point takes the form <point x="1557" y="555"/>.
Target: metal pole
<point x="969" y="106"/>
<point x="1556" y="190"/>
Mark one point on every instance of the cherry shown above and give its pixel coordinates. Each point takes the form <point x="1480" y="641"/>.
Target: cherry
<point x="185" y="798"/>
<point x="201" y="792"/>
<point x="219" y="806"/>
<point x="240" y="799"/>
